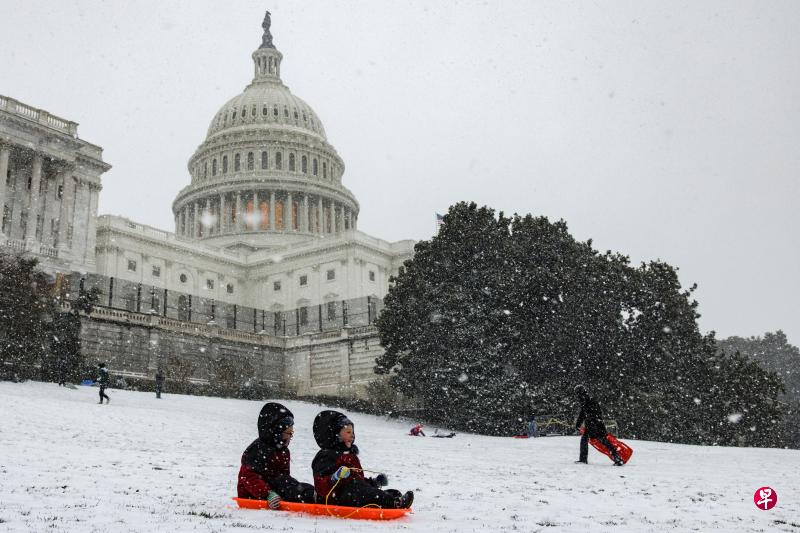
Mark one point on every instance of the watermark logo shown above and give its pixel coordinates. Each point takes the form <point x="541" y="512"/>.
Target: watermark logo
<point x="765" y="498"/>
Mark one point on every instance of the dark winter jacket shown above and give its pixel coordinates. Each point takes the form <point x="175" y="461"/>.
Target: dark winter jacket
<point x="265" y="463"/>
<point x="592" y="417"/>
<point x="102" y="376"/>
<point x="334" y="454"/>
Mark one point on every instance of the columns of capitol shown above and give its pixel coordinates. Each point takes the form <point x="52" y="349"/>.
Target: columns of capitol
<point x="288" y="224"/>
<point x="5" y="153"/>
<point x="272" y="226"/>
<point x="33" y="203"/>
<point x="67" y="200"/>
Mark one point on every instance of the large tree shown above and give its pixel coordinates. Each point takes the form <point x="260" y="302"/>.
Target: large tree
<point x="495" y="318"/>
<point x="65" y="361"/>
<point x="773" y="352"/>
<point x="26" y="307"/>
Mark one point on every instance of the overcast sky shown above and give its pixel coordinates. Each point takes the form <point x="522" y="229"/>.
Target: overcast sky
<point x="662" y="130"/>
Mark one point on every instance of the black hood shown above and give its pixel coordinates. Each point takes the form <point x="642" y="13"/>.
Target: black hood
<point x="582" y="393"/>
<point x="327" y="425"/>
<point x="272" y="421"/>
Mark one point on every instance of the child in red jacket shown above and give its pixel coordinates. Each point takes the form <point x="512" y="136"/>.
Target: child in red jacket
<point x="338" y="476"/>
<point x="264" y="474"/>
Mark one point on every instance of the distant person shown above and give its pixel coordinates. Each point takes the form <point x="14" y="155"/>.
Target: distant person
<point x="102" y="379"/>
<point x="592" y="418"/>
<point x="62" y="372"/>
<point x="159" y="383"/>
<point x="533" y="430"/>
<point x="416" y="431"/>
<point x="264" y="474"/>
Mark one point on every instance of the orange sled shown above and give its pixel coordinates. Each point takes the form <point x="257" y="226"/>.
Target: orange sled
<point x="623" y="449"/>
<point x="362" y="513"/>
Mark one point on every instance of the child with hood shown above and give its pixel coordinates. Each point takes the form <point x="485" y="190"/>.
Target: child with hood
<point x="264" y="474"/>
<point x="338" y="476"/>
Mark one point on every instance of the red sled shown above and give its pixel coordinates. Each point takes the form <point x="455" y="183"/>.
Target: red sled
<point x="623" y="449"/>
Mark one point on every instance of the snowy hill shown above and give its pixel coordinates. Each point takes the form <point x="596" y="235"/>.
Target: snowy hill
<point x="144" y="465"/>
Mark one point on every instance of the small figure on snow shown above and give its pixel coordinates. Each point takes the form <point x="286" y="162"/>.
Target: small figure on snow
<point x="338" y="475"/>
<point x="159" y="382"/>
<point x="264" y="474"/>
<point x="416" y="431"/>
<point x="592" y="418"/>
<point x="533" y="430"/>
<point x="102" y="379"/>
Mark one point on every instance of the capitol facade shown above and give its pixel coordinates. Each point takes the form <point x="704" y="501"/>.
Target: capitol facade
<point x="266" y="234"/>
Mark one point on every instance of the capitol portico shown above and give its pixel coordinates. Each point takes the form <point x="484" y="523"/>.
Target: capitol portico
<point x="264" y="225"/>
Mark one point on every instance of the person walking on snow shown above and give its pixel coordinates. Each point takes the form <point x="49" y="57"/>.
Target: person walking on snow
<point x="102" y="379"/>
<point x="592" y="418"/>
<point x="159" y="383"/>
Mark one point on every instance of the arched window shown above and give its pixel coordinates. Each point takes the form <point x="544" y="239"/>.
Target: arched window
<point x="253" y="111"/>
<point x="275" y="111"/>
<point x="278" y="160"/>
<point x="305" y="119"/>
<point x="325" y="170"/>
<point x="214" y="167"/>
<point x="244" y="112"/>
<point x="295" y="115"/>
<point x="291" y="162"/>
<point x="315" y="167"/>
<point x="224" y="164"/>
<point x="286" y="112"/>
<point x="233" y="115"/>
<point x="264" y="110"/>
<point x="205" y="169"/>
<point x="264" y="159"/>
<point x="237" y="162"/>
<point x="304" y="164"/>
<point x="251" y="161"/>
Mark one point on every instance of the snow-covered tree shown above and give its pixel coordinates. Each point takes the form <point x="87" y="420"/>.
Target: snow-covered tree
<point x="497" y="318"/>
<point x="26" y="306"/>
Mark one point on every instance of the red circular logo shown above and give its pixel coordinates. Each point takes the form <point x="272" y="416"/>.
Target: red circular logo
<point x="765" y="498"/>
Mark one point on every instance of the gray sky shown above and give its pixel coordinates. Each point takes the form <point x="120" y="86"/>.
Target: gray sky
<point x="662" y="130"/>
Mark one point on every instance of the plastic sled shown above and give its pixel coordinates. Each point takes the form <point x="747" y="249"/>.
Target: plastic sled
<point x="361" y="513"/>
<point x="623" y="449"/>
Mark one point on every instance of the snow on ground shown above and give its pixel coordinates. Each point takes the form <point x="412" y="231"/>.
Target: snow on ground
<point x="144" y="465"/>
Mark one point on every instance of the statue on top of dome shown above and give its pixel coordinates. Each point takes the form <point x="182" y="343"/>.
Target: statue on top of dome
<point x="266" y="40"/>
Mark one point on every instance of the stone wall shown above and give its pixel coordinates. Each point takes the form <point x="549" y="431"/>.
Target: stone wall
<point x="335" y="363"/>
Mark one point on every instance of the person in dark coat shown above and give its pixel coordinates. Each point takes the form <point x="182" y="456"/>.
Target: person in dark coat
<point x="416" y="431"/>
<point x="592" y="418"/>
<point x="338" y="476"/>
<point x="264" y="474"/>
<point x="159" y="383"/>
<point x="102" y="379"/>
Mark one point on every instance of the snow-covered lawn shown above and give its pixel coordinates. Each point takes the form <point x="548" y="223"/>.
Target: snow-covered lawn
<point x="142" y="464"/>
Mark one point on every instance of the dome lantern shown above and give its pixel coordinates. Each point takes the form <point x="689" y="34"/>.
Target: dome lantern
<point x="267" y="58"/>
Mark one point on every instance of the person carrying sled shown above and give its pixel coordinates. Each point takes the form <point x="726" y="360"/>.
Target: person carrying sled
<point x="102" y="379"/>
<point x="416" y="431"/>
<point x="592" y="418"/>
<point x="264" y="474"/>
<point x="338" y="476"/>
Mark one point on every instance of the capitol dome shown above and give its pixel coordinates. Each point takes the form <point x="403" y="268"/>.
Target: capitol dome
<point x="265" y="176"/>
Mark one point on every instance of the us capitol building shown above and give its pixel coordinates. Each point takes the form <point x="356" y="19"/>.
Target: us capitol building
<point x="265" y="266"/>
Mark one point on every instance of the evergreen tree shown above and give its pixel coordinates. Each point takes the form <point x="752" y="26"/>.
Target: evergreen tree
<point x="25" y="308"/>
<point x="494" y="318"/>
<point x="773" y="352"/>
<point x="65" y="361"/>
